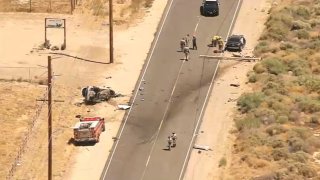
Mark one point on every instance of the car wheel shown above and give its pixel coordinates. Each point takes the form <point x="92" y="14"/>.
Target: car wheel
<point x="217" y="14"/>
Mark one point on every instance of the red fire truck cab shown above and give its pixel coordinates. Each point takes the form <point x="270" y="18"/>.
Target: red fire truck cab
<point x="88" y="129"/>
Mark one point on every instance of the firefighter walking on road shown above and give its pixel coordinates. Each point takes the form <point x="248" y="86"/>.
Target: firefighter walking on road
<point x="215" y="40"/>
<point x="194" y="43"/>
<point x="220" y="44"/>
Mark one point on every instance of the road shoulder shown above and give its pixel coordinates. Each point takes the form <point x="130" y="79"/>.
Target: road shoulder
<point x="218" y="118"/>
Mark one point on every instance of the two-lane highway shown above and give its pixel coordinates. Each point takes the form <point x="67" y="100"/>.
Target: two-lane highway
<point x="173" y="98"/>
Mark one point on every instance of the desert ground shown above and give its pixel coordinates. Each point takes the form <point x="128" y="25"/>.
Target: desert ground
<point x="21" y="35"/>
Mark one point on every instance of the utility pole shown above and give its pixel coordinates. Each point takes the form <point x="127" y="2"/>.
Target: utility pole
<point x="49" y="119"/>
<point x="111" y="31"/>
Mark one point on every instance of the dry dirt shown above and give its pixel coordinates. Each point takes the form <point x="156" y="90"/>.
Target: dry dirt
<point x="20" y="36"/>
<point x="21" y="60"/>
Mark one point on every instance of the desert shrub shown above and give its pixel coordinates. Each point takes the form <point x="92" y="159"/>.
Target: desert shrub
<point x="148" y="3"/>
<point x="249" y="101"/>
<point x="303" y="34"/>
<point x="275" y="130"/>
<point x="314" y="22"/>
<point x="309" y="105"/>
<point x="298" y="67"/>
<point x="299" y="156"/>
<point x="223" y="162"/>
<point x="302" y="169"/>
<point x="262" y="112"/>
<point x="286" y="46"/>
<point x="277" y="143"/>
<point x="314" y="119"/>
<point x="310" y="82"/>
<point x="268" y="176"/>
<point x="314" y="142"/>
<point x="247" y="123"/>
<point x="282" y="119"/>
<point x="252" y="77"/>
<point x="259" y="68"/>
<point x="315" y="44"/>
<point x="278" y="25"/>
<point x="316" y="10"/>
<point x="300" y="132"/>
<point x="274" y="66"/>
<point x="272" y="88"/>
<point x="279" y="154"/>
<point x="262" y="47"/>
<point x="302" y="12"/>
<point x="297" y="25"/>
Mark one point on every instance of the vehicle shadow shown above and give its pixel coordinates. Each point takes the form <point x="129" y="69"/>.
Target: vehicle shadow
<point x="73" y="142"/>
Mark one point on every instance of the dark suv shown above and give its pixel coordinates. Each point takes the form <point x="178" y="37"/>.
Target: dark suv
<point x="210" y="8"/>
<point x="235" y="43"/>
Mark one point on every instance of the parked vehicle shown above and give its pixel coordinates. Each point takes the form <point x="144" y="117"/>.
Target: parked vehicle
<point x="210" y="8"/>
<point x="88" y="129"/>
<point x="235" y="43"/>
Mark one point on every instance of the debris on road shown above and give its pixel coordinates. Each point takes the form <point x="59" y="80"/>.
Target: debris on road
<point x="234" y="85"/>
<point x="123" y="107"/>
<point x="202" y="147"/>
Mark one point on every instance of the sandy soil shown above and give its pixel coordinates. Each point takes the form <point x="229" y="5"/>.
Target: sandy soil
<point x="133" y="51"/>
<point x="218" y="118"/>
<point x="87" y="38"/>
<point x="20" y="36"/>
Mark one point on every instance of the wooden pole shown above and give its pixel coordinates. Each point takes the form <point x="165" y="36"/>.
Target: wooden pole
<point x="45" y="31"/>
<point x="49" y="120"/>
<point x="111" y="31"/>
<point x="65" y="34"/>
<point x="29" y="5"/>
<point x="71" y="6"/>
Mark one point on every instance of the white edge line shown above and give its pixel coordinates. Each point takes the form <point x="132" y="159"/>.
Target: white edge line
<point x="145" y="70"/>
<point x="163" y="118"/>
<point x="166" y="111"/>
<point x="205" y="101"/>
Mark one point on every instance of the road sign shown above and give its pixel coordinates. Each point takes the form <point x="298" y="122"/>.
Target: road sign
<point x="54" y="23"/>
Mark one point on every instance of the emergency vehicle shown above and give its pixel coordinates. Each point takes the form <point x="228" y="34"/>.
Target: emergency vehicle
<point x="88" y="129"/>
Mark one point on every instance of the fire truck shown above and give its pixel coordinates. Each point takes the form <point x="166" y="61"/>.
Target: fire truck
<point x="88" y="129"/>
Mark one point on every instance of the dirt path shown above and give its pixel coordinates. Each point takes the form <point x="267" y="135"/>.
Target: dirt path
<point x="131" y="52"/>
<point x="218" y="119"/>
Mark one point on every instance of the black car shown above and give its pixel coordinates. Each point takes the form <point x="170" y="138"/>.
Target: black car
<point x="235" y="43"/>
<point x="210" y="8"/>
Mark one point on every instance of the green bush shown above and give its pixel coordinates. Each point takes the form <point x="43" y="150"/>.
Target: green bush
<point x="296" y="25"/>
<point x="249" y="101"/>
<point x="259" y="68"/>
<point x="302" y="12"/>
<point x="312" y="83"/>
<point x="278" y="25"/>
<point x="286" y="46"/>
<point x="275" y="130"/>
<point x="299" y="156"/>
<point x="252" y="77"/>
<point x="303" y="34"/>
<point x="279" y="154"/>
<point x="274" y="66"/>
<point x="282" y="119"/>
<point x="299" y="67"/>
<point x="262" y="47"/>
<point x="247" y="123"/>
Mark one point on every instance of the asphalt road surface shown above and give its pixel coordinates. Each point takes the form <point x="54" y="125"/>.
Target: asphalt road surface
<point x="172" y="96"/>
